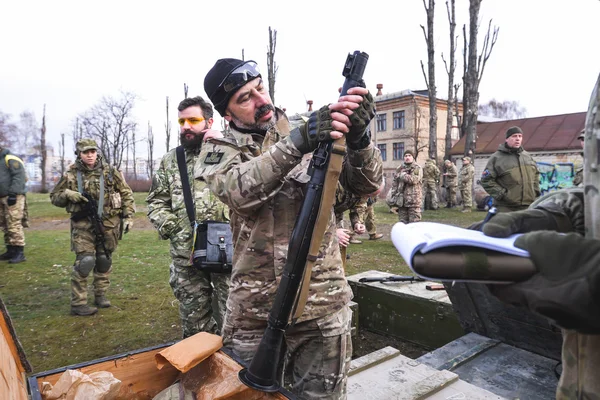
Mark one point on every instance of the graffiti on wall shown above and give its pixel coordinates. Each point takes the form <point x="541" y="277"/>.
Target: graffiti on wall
<point x="555" y="176"/>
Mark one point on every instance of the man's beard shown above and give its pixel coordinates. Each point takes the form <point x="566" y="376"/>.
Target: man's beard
<point x="258" y="126"/>
<point x="196" y="141"/>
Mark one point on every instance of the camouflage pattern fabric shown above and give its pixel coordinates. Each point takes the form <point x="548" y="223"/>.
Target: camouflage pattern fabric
<point x="578" y="179"/>
<point x="321" y="351"/>
<point x="11" y="221"/>
<point x="431" y="179"/>
<point x="451" y="183"/>
<point x="118" y="203"/>
<point x="347" y="201"/>
<point x="466" y="185"/>
<point x="408" y="179"/>
<point x="370" y="220"/>
<point x="263" y="183"/>
<point x="193" y="289"/>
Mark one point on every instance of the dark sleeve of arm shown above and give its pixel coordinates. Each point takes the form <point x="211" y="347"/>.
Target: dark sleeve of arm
<point x="17" y="176"/>
<point x="488" y="181"/>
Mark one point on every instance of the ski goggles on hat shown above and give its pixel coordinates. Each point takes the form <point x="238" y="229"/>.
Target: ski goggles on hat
<point x="240" y="76"/>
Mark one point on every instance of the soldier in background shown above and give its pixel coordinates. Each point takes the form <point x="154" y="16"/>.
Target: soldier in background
<point x="12" y="206"/>
<point x="407" y="190"/>
<point x="431" y="180"/>
<point x="91" y="174"/>
<point x="194" y="289"/>
<point x="466" y="184"/>
<point x="451" y="182"/>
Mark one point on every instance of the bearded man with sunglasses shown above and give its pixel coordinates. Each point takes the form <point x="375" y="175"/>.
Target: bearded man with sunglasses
<point x="193" y="288"/>
<point x="259" y="169"/>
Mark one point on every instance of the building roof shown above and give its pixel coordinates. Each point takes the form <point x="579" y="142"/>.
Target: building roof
<point x="548" y="133"/>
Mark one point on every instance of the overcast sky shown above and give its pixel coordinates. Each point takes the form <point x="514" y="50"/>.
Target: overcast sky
<point x="68" y="54"/>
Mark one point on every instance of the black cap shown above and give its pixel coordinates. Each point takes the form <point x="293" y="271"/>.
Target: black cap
<point x="214" y="79"/>
<point x="512" y="130"/>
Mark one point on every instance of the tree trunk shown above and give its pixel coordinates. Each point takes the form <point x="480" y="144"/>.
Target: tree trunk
<point x="272" y="67"/>
<point x="451" y="8"/>
<point x="43" y="150"/>
<point x="472" y="78"/>
<point x="430" y="79"/>
<point x="168" y="123"/>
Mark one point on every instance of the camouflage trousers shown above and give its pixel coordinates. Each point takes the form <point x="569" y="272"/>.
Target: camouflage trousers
<point x="581" y="360"/>
<point x="430" y="195"/>
<point x="83" y="243"/>
<point x="467" y="198"/>
<point x="11" y="221"/>
<point x="318" y="352"/>
<point x="370" y="220"/>
<point x="451" y="195"/>
<point x="202" y="297"/>
<point x="409" y="214"/>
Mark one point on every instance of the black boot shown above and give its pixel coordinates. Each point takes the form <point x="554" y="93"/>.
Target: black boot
<point x="9" y="253"/>
<point x="18" y="255"/>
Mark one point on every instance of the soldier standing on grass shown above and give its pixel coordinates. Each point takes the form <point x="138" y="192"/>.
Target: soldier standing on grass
<point x="466" y="184"/>
<point x="194" y="289"/>
<point x="431" y="179"/>
<point x="12" y="206"/>
<point x="91" y="174"/>
<point x="451" y="182"/>
<point x="407" y="190"/>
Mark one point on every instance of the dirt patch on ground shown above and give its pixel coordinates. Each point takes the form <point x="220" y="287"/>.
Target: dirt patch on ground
<point x="366" y="342"/>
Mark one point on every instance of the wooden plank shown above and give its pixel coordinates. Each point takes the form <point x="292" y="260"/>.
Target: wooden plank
<point x="13" y="364"/>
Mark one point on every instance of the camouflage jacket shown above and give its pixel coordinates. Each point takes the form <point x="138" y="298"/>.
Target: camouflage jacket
<point x="263" y="181"/>
<point x="348" y="201"/>
<point x="466" y="176"/>
<point x="431" y="172"/>
<point x="451" y="180"/>
<point x="12" y="174"/>
<point x="118" y="196"/>
<point x="511" y="177"/>
<point x="166" y="207"/>
<point x="408" y="185"/>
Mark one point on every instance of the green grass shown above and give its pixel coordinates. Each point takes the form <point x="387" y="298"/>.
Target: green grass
<point x="144" y="311"/>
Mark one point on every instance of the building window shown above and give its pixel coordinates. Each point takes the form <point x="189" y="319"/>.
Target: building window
<point x="399" y="120"/>
<point x="381" y="125"/>
<point x="382" y="149"/>
<point x="398" y="150"/>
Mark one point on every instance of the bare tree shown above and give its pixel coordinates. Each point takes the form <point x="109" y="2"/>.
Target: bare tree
<point x="502" y="109"/>
<point x="8" y="130"/>
<point x="416" y="138"/>
<point x="450" y="69"/>
<point x="272" y="65"/>
<point x="61" y="149"/>
<point x="474" y="72"/>
<point x="150" y="164"/>
<point x="430" y="78"/>
<point x="133" y="143"/>
<point x="43" y="188"/>
<point x="168" y="123"/>
<point x="28" y="138"/>
<point x="185" y="90"/>
<point x="111" y="122"/>
<point x="77" y="132"/>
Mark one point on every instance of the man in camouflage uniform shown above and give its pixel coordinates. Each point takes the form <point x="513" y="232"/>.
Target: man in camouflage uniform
<point x="12" y="205"/>
<point x="431" y="180"/>
<point x="91" y="174"/>
<point x="511" y="175"/>
<point x="466" y="184"/>
<point x="566" y="287"/>
<point x="194" y="289"/>
<point x="407" y="190"/>
<point x="260" y="171"/>
<point x="450" y="182"/>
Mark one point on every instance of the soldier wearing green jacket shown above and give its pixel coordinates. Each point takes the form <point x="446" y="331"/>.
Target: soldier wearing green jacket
<point x="12" y="205"/>
<point x="194" y="289"/>
<point x="511" y="175"/>
<point x="92" y="175"/>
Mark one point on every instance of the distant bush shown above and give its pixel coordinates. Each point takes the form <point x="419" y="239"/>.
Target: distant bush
<point x="140" y="185"/>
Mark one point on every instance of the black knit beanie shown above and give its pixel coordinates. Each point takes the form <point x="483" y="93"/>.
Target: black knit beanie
<point x="512" y="130"/>
<point x="214" y="79"/>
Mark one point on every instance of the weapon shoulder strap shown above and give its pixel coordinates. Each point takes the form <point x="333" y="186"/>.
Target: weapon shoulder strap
<point x="338" y="151"/>
<point x="185" y="184"/>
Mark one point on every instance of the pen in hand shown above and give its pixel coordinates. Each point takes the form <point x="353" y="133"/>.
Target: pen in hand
<point x="491" y="212"/>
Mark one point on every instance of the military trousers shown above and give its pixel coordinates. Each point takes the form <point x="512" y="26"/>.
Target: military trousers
<point x="202" y="297"/>
<point x="370" y="220"/>
<point x="318" y="353"/>
<point x="580" y="363"/>
<point x="11" y="221"/>
<point x="430" y="195"/>
<point x="83" y="243"/>
<point x="451" y="195"/>
<point x="467" y="198"/>
<point x="409" y="214"/>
